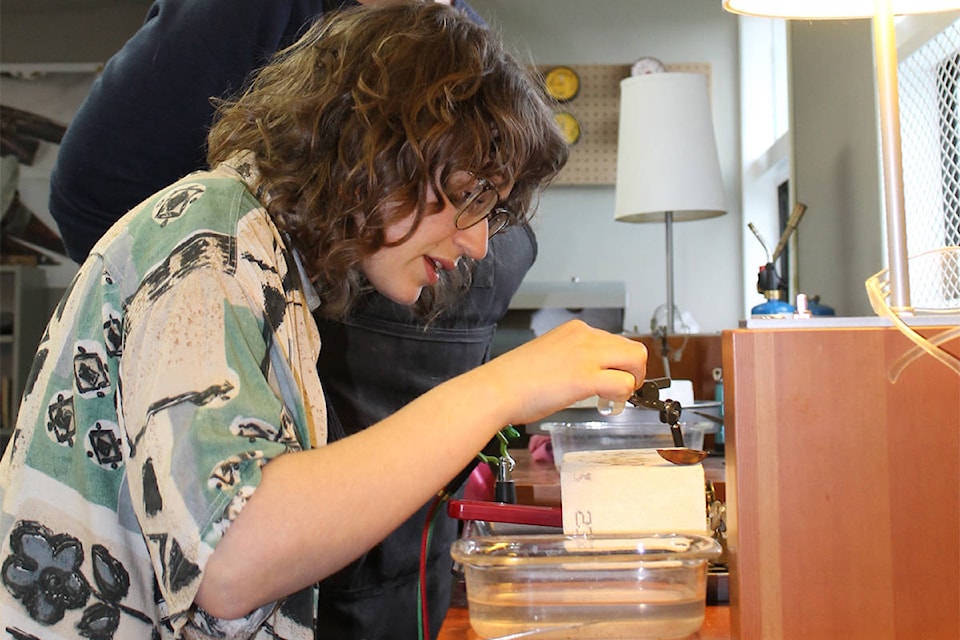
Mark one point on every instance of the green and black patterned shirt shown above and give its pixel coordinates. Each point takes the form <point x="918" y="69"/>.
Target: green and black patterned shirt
<point x="181" y="360"/>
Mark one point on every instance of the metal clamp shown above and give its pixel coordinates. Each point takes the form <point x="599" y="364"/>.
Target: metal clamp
<point x="648" y="395"/>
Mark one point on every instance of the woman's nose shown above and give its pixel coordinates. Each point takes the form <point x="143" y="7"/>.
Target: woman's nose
<point x="473" y="240"/>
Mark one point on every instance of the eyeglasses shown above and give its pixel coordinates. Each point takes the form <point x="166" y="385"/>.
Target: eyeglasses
<point x="481" y="204"/>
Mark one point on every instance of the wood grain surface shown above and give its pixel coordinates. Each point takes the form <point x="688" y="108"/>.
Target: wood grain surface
<point x="843" y="488"/>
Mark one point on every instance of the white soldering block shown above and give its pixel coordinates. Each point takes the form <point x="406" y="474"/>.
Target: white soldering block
<point x="630" y="491"/>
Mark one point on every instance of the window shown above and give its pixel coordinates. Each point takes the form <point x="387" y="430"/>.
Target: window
<point x="929" y="83"/>
<point x="764" y="118"/>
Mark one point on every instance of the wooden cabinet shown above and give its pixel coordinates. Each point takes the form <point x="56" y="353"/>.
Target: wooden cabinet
<point x="23" y="317"/>
<point x="843" y="487"/>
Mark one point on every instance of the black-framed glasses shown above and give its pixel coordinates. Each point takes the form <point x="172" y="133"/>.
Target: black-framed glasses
<point x="482" y="203"/>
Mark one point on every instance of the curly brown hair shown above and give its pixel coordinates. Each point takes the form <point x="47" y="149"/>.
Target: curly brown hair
<point x="354" y="124"/>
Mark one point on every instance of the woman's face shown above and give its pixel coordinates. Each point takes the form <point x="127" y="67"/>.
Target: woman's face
<point x="401" y="272"/>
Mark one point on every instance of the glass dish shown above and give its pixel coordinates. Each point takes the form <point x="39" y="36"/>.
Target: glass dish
<point x="558" y="586"/>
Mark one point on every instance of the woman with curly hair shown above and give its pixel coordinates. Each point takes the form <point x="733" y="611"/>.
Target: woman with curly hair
<point x="170" y="474"/>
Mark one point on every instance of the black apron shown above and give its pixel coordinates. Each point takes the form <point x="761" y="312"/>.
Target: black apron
<point x="371" y="365"/>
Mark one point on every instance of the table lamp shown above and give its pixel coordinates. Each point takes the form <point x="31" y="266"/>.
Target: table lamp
<point x="885" y="57"/>
<point x="668" y="169"/>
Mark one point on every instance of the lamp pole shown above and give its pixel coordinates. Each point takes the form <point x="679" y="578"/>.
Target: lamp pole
<point x="664" y="344"/>
<point x="885" y="55"/>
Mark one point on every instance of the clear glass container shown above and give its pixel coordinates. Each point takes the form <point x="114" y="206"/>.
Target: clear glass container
<point x="559" y="586"/>
<point x="566" y="437"/>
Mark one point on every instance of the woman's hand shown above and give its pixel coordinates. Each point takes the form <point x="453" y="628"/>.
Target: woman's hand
<point x="565" y="365"/>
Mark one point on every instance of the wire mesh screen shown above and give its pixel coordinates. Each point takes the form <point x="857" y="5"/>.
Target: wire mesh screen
<point x="930" y="130"/>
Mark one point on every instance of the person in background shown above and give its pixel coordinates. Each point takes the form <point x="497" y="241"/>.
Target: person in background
<point x="144" y="125"/>
<point x="170" y="474"/>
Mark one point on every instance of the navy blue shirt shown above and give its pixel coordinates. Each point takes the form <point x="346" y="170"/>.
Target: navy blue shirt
<point x="144" y="123"/>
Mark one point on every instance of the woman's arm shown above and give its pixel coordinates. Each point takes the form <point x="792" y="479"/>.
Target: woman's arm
<point x="362" y="487"/>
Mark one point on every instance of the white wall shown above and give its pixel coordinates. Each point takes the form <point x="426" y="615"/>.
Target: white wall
<point x="840" y="241"/>
<point x="578" y="235"/>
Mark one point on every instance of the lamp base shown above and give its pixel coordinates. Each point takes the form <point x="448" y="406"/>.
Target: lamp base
<point x="683" y="322"/>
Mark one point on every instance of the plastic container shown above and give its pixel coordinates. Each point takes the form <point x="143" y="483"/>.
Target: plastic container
<point x="557" y="586"/>
<point x="566" y="437"/>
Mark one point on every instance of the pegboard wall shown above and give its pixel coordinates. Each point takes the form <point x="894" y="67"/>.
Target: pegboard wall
<point x="593" y="159"/>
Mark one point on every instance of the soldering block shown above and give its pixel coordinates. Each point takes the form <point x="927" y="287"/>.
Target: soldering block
<point x="630" y="491"/>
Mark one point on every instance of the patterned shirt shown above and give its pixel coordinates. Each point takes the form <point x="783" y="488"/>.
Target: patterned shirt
<point x="180" y="361"/>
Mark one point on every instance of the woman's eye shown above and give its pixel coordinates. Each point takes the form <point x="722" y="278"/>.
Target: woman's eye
<point x="458" y="197"/>
<point x="487" y="198"/>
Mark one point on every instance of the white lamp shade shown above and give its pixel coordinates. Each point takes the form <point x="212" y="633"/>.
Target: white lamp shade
<point x="833" y="9"/>
<point x="667" y="153"/>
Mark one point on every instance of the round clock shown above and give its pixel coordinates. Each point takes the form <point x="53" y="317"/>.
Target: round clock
<point x="562" y="83"/>
<point x="647" y="65"/>
<point x="569" y="125"/>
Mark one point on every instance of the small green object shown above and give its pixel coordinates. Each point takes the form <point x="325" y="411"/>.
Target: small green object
<point x="506" y="434"/>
